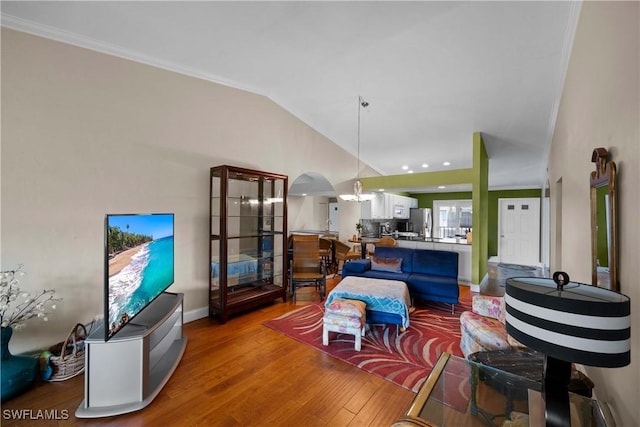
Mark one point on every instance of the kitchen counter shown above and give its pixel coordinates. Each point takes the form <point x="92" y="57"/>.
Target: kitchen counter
<point x="451" y="240"/>
<point x="312" y="232"/>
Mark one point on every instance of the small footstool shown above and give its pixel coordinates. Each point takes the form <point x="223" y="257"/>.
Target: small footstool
<point x="346" y="316"/>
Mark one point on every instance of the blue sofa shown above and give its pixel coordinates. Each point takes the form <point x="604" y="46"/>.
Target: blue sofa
<point x="430" y="275"/>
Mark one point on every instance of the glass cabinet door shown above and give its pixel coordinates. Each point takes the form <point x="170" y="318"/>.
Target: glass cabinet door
<point x="215" y="293"/>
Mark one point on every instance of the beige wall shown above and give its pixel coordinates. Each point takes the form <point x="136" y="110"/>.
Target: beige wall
<point x="600" y="108"/>
<point x="84" y="134"/>
<point x="308" y="213"/>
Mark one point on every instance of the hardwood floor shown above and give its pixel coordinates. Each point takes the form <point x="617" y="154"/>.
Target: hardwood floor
<point x="238" y="374"/>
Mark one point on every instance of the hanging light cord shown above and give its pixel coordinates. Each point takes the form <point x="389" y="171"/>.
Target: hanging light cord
<point x="364" y="104"/>
<point x="357" y="186"/>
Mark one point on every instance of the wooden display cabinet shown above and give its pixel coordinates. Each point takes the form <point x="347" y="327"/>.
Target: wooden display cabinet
<point x="248" y="229"/>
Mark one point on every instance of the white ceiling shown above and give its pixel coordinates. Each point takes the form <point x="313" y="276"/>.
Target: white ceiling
<point x="433" y="72"/>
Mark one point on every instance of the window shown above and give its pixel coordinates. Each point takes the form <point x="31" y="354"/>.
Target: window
<point x="451" y="218"/>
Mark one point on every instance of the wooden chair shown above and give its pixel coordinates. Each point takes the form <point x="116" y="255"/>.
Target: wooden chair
<point x="307" y="268"/>
<point x="384" y="241"/>
<point x="387" y="241"/>
<point x="330" y="236"/>
<point x="345" y="253"/>
<point x="325" y="250"/>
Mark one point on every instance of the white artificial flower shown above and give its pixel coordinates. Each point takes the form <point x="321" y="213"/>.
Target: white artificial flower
<point x="31" y="306"/>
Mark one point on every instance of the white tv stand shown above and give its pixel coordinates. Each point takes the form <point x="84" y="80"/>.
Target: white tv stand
<point x="127" y="372"/>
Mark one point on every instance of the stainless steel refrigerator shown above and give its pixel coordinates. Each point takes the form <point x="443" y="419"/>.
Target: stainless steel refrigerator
<point x="421" y="221"/>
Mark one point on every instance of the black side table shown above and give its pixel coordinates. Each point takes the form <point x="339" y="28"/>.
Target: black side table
<point x="527" y="365"/>
<point x="442" y="402"/>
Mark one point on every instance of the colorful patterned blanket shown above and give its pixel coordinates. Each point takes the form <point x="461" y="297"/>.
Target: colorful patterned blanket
<point x="389" y="296"/>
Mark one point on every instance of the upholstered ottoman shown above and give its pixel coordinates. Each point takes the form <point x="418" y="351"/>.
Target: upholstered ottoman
<point x="345" y="316"/>
<point x="482" y="328"/>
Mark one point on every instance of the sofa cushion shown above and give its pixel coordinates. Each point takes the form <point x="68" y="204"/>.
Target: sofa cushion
<point x="436" y="263"/>
<point x="395" y="252"/>
<point x="392" y="265"/>
<point x="357" y="266"/>
<point x="436" y="285"/>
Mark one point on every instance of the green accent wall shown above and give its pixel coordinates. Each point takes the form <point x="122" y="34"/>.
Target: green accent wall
<point x="426" y="201"/>
<point x="423" y="179"/>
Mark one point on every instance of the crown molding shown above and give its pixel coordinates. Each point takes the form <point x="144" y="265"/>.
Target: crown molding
<point x="68" y="37"/>
<point x="567" y="46"/>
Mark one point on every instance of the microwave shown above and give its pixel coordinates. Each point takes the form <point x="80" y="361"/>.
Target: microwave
<point x="398" y="211"/>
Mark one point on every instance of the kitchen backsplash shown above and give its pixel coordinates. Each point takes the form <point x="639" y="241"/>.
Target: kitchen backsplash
<point x="377" y="227"/>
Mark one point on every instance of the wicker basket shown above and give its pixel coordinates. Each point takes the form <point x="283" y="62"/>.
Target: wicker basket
<point x="67" y="358"/>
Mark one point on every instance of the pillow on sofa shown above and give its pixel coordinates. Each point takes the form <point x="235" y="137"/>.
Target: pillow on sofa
<point x="386" y="264"/>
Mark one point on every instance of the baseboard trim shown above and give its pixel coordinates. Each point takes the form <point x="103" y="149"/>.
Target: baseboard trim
<point x="483" y="282"/>
<point x="197" y="314"/>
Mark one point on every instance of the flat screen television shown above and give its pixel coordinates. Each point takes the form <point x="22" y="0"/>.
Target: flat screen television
<point x="139" y="258"/>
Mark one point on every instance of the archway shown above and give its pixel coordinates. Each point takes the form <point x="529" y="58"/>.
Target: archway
<point x="312" y="204"/>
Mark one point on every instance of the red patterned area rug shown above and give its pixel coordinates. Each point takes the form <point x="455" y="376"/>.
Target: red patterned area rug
<point x="405" y="360"/>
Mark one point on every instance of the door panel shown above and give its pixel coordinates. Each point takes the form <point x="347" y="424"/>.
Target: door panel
<point x="519" y="225"/>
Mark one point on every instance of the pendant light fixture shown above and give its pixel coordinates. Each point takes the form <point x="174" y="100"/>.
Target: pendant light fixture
<point x="358" y="195"/>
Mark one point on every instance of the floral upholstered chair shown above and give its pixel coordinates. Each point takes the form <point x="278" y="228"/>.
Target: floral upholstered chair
<point x="483" y="327"/>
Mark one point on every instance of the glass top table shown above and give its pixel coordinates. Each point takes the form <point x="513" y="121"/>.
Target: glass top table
<point x="459" y="392"/>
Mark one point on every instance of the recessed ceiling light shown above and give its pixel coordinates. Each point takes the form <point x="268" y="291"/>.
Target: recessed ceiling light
<point x="304" y="194"/>
<point x="446" y="163"/>
<point x="405" y="167"/>
<point x="410" y="171"/>
<point x="424" y="165"/>
<point x="441" y="186"/>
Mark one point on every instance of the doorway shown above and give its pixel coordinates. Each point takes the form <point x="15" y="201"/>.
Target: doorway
<point x="310" y="198"/>
<point x="519" y="231"/>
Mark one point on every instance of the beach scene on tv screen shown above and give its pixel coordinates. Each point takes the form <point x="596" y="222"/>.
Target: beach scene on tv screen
<point x="140" y="264"/>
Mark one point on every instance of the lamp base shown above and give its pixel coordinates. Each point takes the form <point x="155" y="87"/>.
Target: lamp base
<point x="557" y="374"/>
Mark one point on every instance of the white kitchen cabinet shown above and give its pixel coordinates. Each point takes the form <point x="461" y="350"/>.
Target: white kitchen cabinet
<point x="388" y="205"/>
<point x="374" y="209"/>
<point x="383" y="206"/>
<point x="378" y="208"/>
<point x="365" y="210"/>
<point x="401" y="205"/>
<point x="464" y="263"/>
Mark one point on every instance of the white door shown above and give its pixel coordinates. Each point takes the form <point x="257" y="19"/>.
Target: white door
<point x="519" y="228"/>
<point x="334" y="223"/>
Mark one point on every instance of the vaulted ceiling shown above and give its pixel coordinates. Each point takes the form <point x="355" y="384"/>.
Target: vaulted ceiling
<point x="432" y="72"/>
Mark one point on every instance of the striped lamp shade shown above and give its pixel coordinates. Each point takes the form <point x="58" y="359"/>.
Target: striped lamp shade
<point x="570" y="321"/>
